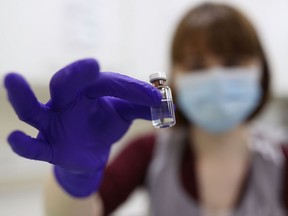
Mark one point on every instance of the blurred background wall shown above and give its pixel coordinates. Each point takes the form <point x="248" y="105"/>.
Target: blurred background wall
<point x="38" y="37"/>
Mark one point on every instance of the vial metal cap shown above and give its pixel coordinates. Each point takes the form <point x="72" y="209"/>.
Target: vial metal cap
<point x="157" y="76"/>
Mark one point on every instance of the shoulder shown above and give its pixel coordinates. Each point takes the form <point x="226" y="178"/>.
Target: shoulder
<point x="270" y="143"/>
<point x="143" y="144"/>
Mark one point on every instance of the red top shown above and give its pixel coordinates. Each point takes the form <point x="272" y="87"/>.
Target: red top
<point x="128" y="171"/>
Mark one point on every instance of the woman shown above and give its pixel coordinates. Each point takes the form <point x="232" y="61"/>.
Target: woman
<point x="203" y="166"/>
<point x="221" y="79"/>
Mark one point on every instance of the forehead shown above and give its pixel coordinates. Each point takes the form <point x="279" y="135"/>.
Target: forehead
<point x="212" y="63"/>
<point x="207" y="61"/>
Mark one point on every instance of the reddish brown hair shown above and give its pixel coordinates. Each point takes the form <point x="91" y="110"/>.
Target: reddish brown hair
<point x="221" y="30"/>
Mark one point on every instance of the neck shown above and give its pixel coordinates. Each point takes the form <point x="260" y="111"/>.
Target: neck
<point x="232" y="143"/>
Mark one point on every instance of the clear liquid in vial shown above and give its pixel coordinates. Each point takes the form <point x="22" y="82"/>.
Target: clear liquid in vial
<point x="163" y="116"/>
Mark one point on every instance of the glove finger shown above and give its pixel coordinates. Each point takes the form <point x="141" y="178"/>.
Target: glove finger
<point x="130" y="111"/>
<point x="67" y="83"/>
<point x="24" y="101"/>
<point x="29" y="147"/>
<point x="124" y="87"/>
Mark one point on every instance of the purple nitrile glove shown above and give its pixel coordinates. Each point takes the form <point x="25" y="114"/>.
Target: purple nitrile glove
<point x="88" y="112"/>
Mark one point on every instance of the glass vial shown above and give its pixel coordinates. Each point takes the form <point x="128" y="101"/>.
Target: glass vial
<point x="163" y="116"/>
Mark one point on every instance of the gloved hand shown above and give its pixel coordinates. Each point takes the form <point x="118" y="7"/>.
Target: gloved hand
<point x="88" y="112"/>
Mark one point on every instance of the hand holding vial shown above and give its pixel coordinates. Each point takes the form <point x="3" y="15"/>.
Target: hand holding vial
<point x="88" y="111"/>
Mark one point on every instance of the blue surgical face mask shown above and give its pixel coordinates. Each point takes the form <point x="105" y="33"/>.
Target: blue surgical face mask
<point x="218" y="99"/>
